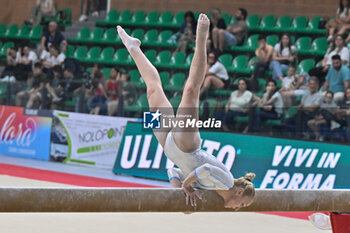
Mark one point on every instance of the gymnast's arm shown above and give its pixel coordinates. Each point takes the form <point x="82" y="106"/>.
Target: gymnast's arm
<point x="175" y="177"/>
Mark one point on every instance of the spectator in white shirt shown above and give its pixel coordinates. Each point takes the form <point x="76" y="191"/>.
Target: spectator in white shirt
<point x="216" y="76"/>
<point x="53" y="58"/>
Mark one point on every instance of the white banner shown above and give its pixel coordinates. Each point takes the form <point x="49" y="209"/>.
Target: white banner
<point x="90" y="139"/>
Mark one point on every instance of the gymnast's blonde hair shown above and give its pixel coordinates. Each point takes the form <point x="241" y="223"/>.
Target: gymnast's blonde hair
<point x="246" y="183"/>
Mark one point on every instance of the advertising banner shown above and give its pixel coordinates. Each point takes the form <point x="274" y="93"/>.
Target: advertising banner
<point x="278" y="163"/>
<point x="86" y="139"/>
<point x="24" y="133"/>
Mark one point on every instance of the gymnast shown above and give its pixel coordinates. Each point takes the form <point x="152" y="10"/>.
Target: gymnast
<point x="197" y="169"/>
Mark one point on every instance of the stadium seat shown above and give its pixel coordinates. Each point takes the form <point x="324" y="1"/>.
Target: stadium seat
<point x="92" y="55"/>
<point x="106" y="72"/>
<point x="82" y="36"/>
<point x="299" y="25"/>
<point x="151" y="55"/>
<point x="188" y="60"/>
<point x="11" y="32"/>
<point x="2" y="30"/>
<point x="136" y="79"/>
<point x="106" y="56"/>
<point x="111" y="18"/>
<point x="283" y="24"/>
<point x="305" y="65"/>
<point x="303" y="45"/>
<point x="152" y="18"/>
<point x="239" y="64"/>
<point x="4" y="48"/>
<point x="267" y="23"/>
<point x="140" y="105"/>
<point x="272" y="40"/>
<point x="163" y="38"/>
<point x="175" y="102"/>
<point x="249" y="46"/>
<point x="80" y="53"/>
<point x="176" y="82"/>
<point x="312" y="27"/>
<point x="24" y="32"/>
<point x="163" y="58"/>
<point x="251" y="66"/>
<point x="150" y="38"/>
<point x="138" y="33"/>
<point x="110" y="36"/>
<point x="97" y="35"/>
<point x="165" y="19"/>
<point x="164" y="77"/>
<point x="319" y="47"/>
<point x="121" y="57"/>
<point x="138" y="18"/>
<point x="178" y="19"/>
<point x="253" y="22"/>
<point x="177" y="61"/>
<point x="226" y="60"/>
<point x="69" y="51"/>
<point x="226" y="17"/>
<point x="36" y="32"/>
<point x="124" y="18"/>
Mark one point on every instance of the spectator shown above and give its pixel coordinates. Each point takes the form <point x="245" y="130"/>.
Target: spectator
<point x="270" y="106"/>
<point x="52" y="37"/>
<point x="307" y="109"/>
<point x="89" y="6"/>
<point x="327" y="105"/>
<point x="237" y="105"/>
<point x="338" y="47"/>
<point x="128" y="90"/>
<point x="341" y="22"/>
<point x="342" y="115"/>
<point x="216" y="76"/>
<point x="34" y="94"/>
<point x="234" y="34"/>
<point x="283" y="56"/>
<point x="113" y="91"/>
<point x="264" y="53"/>
<point x="55" y="57"/>
<point x="217" y="25"/>
<point x="337" y="79"/>
<point x="52" y="86"/>
<point x="25" y="60"/>
<point x="42" y="9"/>
<point x="294" y="85"/>
<point x="69" y="86"/>
<point x="98" y="102"/>
<point x="187" y="32"/>
<point x="9" y="72"/>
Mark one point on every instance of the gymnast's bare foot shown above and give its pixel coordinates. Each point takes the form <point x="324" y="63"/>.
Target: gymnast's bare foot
<point x="130" y="43"/>
<point x="202" y="27"/>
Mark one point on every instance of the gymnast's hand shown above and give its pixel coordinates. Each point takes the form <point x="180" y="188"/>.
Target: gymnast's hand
<point x="191" y="195"/>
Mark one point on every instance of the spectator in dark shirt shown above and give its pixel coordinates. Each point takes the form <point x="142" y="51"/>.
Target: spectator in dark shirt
<point x="187" y="32"/>
<point x="69" y="86"/>
<point x="52" y="37"/>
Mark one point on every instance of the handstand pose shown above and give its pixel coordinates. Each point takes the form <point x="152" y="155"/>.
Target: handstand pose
<point x="197" y="168"/>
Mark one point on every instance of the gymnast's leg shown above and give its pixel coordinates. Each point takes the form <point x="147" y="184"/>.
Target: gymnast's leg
<point x="188" y="139"/>
<point x="155" y="94"/>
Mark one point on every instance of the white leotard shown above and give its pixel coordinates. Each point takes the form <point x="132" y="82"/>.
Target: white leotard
<point x="210" y="172"/>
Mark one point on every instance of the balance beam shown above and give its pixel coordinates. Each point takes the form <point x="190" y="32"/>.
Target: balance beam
<point x="162" y="200"/>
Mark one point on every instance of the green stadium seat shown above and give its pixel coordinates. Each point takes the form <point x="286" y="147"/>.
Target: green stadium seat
<point x="283" y="24"/>
<point x="163" y="38"/>
<point x="92" y="55"/>
<point x="82" y="36"/>
<point x="80" y="53"/>
<point x="165" y="19"/>
<point x="239" y="64"/>
<point x="67" y="21"/>
<point x="233" y="20"/>
<point x="136" y="79"/>
<point x="140" y="105"/>
<point x="36" y="32"/>
<point x="152" y="18"/>
<point x="261" y="85"/>
<point x="210" y="103"/>
<point x="178" y="19"/>
<point x="177" y="61"/>
<point x="121" y="57"/>
<point x="319" y="47"/>
<point x="106" y="55"/>
<point x="111" y="18"/>
<point x="249" y="46"/>
<point x="226" y="60"/>
<point x="163" y="59"/>
<point x="97" y="35"/>
<point x="175" y="102"/>
<point x="226" y="17"/>
<point x="272" y="40"/>
<point x="150" y="38"/>
<point x="110" y="37"/>
<point x="11" y="32"/>
<point x="251" y="66"/>
<point x="221" y="93"/>
<point x="188" y="60"/>
<point x="305" y="65"/>
<point x="267" y="23"/>
<point x="151" y="55"/>
<point x="106" y="72"/>
<point x="299" y="24"/>
<point x="69" y="51"/>
<point x="4" y="48"/>
<point x="138" y="33"/>
<point x="176" y="82"/>
<point x="164" y="77"/>
<point x="303" y="45"/>
<point x="2" y="30"/>
<point x="23" y="33"/>
<point x="312" y="27"/>
<point x="124" y="18"/>
<point x="253" y="22"/>
<point x="138" y="19"/>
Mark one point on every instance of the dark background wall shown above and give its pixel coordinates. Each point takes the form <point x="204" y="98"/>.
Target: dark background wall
<point x="16" y="11"/>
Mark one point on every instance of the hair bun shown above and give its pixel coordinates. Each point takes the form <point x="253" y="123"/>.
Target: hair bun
<point x="249" y="177"/>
